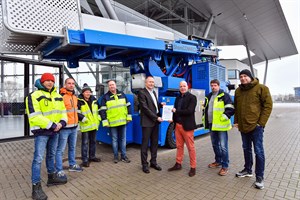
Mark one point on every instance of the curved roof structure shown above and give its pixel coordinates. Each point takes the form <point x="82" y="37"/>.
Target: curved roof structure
<point x="260" y="24"/>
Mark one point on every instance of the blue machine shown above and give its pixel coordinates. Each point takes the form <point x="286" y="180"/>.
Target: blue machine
<point x="191" y="60"/>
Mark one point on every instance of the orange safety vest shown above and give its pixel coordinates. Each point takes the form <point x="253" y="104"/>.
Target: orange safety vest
<point x="70" y="101"/>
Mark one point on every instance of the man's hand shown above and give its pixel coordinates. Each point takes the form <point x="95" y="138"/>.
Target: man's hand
<point x="163" y="103"/>
<point x="223" y="118"/>
<point x="236" y="125"/>
<point x="173" y="110"/>
<point x="58" y="127"/>
<point x="160" y="119"/>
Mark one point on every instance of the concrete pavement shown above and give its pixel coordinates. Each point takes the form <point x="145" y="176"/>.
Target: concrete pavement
<point x="106" y="180"/>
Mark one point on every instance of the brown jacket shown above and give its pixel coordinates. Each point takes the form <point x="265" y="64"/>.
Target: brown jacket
<point x="70" y="101"/>
<point x="253" y="106"/>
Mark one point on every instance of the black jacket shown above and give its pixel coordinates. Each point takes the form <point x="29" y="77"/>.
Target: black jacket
<point x="186" y="112"/>
<point x="148" y="109"/>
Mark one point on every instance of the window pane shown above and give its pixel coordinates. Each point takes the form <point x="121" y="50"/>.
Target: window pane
<point x="231" y="74"/>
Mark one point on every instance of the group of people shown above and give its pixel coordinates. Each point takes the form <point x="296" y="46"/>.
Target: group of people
<point x="54" y="120"/>
<point x="251" y="109"/>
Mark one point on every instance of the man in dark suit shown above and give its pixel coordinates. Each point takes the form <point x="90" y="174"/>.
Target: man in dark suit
<point x="150" y="119"/>
<point x="184" y="119"/>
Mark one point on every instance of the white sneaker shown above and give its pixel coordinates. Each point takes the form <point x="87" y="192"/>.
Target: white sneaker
<point x="259" y="183"/>
<point x="75" y="168"/>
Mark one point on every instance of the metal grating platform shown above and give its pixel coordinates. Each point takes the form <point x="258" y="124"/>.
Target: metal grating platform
<point x="26" y="23"/>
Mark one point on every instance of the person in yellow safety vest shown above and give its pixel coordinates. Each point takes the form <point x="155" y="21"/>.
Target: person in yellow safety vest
<point x="88" y="115"/>
<point x="116" y="113"/>
<point x="218" y="108"/>
<point x="47" y="115"/>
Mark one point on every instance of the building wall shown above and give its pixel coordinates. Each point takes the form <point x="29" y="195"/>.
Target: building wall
<point x="297" y="92"/>
<point x="234" y="64"/>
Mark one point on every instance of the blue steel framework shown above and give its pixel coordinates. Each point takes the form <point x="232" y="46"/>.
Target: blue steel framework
<point x="191" y="60"/>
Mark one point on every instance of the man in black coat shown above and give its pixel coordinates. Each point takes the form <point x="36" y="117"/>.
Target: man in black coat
<point x="150" y="119"/>
<point x="184" y="119"/>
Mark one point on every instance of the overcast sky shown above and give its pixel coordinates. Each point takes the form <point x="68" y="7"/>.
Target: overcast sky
<point x="283" y="75"/>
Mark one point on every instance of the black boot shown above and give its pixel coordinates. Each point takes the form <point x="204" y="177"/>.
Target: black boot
<point x="192" y="172"/>
<point x="56" y="179"/>
<point x="38" y="193"/>
<point x="177" y="166"/>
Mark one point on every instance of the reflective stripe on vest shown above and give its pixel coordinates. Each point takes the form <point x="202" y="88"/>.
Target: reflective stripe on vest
<point x="71" y="125"/>
<point x="39" y="108"/>
<point x="89" y="128"/>
<point x="218" y="110"/>
<point x="117" y="113"/>
<point x="93" y="118"/>
<point x="72" y="110"/>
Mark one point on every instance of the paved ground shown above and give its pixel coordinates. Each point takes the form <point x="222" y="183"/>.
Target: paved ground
<point x="106" y="180"/>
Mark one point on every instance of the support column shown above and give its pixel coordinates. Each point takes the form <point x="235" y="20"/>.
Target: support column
<point x="110" y="73"/>
<point x="249" y="58"/>
<point x="32" y="74"/>
<point x="97" y="80"/>
<point x="90" y="68"/>
<point x="266" y="71"/>
<point x="2" y="88"/>
<point x="109" y="9"/>
<point x="186" y="18"/>
<point x="26" y="93"/>
<point x="208" y="26"/>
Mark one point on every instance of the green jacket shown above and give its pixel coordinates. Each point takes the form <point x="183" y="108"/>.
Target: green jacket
<point x="253" y="106"/>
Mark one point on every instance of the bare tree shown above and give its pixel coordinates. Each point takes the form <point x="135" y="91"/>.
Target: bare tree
<point x="12" y="92"/>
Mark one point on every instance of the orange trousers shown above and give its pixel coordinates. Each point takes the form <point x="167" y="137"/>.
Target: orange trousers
<point x="187" y="137"/>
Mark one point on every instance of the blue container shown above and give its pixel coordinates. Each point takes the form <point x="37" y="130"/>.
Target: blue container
<point x="203" y="73"/>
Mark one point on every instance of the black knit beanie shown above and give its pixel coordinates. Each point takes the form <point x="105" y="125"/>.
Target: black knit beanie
<point x="85" y="88"/>
<point x="247" y="72"/>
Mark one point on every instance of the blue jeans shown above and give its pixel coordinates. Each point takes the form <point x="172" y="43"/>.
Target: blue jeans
<point x="67" y="135"/>
<point x="41" y="144"/>
<point x="219" y="140"/>
<point x="119" y="140"/>
<point x="255" y="137"/>
<point x="88" y="144"/>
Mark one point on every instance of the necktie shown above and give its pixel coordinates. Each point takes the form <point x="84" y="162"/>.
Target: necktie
<point x="154" y="100"/>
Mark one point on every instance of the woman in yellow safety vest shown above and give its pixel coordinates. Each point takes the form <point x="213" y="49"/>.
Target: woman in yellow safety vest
<point x="88" y="114"/>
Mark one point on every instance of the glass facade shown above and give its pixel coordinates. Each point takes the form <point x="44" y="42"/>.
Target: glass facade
<point x="18" y="78"/>
<point x="232" y="74"/>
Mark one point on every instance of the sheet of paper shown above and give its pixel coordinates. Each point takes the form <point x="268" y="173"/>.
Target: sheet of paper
<point x="167" y="113"/>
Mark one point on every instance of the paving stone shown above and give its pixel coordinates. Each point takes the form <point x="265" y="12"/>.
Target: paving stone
<point x="106" y="180"/>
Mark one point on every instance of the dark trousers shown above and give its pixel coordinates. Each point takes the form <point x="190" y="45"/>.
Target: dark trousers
<point x="152" y="134"/>
<point x="88" y="145"/>
<point x="255" y="137"/>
